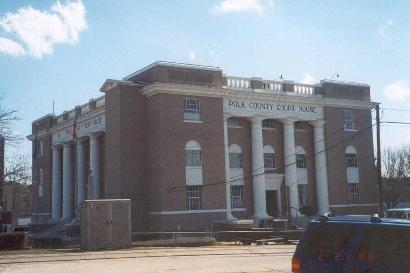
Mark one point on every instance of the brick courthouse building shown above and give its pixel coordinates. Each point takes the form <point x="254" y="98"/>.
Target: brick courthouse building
<point x="190" y="145"/>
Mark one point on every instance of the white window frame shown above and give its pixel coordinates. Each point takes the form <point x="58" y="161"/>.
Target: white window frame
<point x="192" y="110"/>
<point x="237" y="199"/>
<point x="234" y="123"/>
<point x="349" y="120"/>
<point x="353" y="193"/>
<point x="193" y="194"/>
<point x="235" y="160"/>
<point x="270" y="124"/>
<point x="193" y="158"/>
<point x="351" y="160"/>
<point x="299" y="126"/>
<point x="301" y="161"/>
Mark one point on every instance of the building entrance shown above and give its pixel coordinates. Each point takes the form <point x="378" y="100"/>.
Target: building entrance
<point x="272" y="203"/>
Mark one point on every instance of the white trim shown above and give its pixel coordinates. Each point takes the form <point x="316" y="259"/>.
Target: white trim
<point x="344" y="83"/>
<point x="172" y="64"/>
<point x="350" y="130"/>
<point x="192" y="121"/>
<point x="168" y="212"/>
<point x="353" y="205"/>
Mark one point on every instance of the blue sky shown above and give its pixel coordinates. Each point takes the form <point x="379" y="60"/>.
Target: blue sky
<point x="64" y="51"/>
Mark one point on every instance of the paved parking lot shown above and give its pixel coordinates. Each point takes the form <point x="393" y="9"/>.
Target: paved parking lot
<point x="269" y="258"/>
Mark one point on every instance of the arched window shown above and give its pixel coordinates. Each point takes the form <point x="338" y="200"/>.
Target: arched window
<point x="269" y="158"/>
<point x="193" y="172"/>
<point x="351" y="156"/>
<point x="193" y="154"/>
<point x="300" y="157"/>
<point x="235" y="156"/>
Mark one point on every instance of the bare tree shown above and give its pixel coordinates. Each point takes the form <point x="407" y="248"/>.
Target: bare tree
<point x="7" y="119"/>
<point x="396" y="175"/>
<point x="17" y="177"/>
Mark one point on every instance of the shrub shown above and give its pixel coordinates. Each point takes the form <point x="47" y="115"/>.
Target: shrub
<point x="13" y="241"/>
<point x="181" y="242"/>
<point x="307" y="210"/>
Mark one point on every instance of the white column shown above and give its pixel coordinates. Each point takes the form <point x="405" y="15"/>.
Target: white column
<point x="56" y="184"/>
<point x="95" y="166"/>
<point x="229" y="216"/>
<point x="259" y="191"/>
<point x="67" y="181"/>
<point x="290" y="165"/>
<point x="321" y="168"/>
<point x="81" y="171"/>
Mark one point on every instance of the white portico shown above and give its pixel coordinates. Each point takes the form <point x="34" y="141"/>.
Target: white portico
<point x="76" y="164"/>
<point x="295" y="108"/>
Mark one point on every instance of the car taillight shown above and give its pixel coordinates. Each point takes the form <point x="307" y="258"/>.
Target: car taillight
<point x="295" y="265"/>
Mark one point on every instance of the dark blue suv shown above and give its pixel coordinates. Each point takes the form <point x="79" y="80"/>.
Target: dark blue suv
<point x="354" y="244"/>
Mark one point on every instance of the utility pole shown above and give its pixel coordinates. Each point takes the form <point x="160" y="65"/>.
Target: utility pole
<point x="379" y="163"/>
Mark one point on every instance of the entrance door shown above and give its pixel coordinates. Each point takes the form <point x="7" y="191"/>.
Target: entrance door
<point x="272" y="203"/>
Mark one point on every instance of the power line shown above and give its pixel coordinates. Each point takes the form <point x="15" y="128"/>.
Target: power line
<point x="230" y="181"/>
<point x="396" y="122"/>
<point x="341" y="129"/>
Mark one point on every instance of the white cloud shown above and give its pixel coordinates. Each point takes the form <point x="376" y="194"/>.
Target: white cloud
<point x="381" y="29"/>
<point x="10" y="47"/>
<point x="308" y="79"/>
<point x="236" y="6"/>
<point x="39" y="31"/>
<point x="397" y="91"/>
<point x="192" y="55"/>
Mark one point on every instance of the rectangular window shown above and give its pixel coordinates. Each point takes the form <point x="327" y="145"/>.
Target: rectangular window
<point x="269" y="162"/>
<point x="234" y="123"/>
<point x="267" y="124"/>
<point x="40" y="183"/>
<point x="303" y="195"/>
<point x="237" y="200"/>
<point x="192" y="109"/>
<point x="193" y="158"/>
<point x="193" y="197"/>
<point x="349" y="120"/>
<point x="351" y="160"/>
<point x="235" y="160"/>
<point x="353" y="193"/>
<point x="299" y="126"/>
<point x="300" y="161"/>
<point x="41" y="148"/>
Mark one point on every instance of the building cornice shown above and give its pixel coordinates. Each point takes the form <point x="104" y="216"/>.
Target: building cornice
<point x="172" y="64"/>
<point x="68" y="123"/>
<point x="110" y="84"/>
<point x="257" y="94"/>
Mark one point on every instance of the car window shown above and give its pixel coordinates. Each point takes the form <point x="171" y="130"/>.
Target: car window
<point x="326" y="242"/>
<point x="387" y="245"/>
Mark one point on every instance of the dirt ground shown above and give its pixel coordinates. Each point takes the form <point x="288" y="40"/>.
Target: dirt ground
<point x="267" y="258"/>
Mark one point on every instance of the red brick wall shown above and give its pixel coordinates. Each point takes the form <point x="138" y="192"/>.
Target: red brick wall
<point x="336" y="142"/>
<point x="125" y="146"/>
<point x="168" y="134"/>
